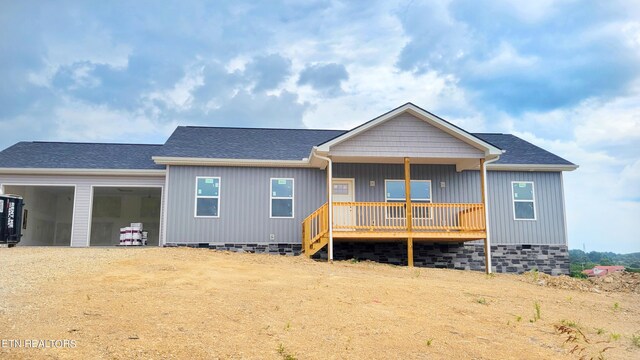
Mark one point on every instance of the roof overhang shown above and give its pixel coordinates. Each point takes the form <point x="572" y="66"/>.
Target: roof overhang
<point x="185" y="161"/>
<point x="99" y="172"/>
<point x="531" y="167"/>
<point x="490" y="150"/>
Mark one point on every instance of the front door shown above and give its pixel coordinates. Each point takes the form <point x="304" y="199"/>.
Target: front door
<point x="344" y="216"/>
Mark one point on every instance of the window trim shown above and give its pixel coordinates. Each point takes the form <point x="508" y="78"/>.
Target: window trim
<point x="533" y="200"/>
<point x="429" y="201"/>
<point x="195" y="203"/>
<point x="292" y="198"/>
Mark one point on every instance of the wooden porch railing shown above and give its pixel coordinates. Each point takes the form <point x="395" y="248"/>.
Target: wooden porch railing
<point x="391" y="216"/>
<point x="314" y="227"/>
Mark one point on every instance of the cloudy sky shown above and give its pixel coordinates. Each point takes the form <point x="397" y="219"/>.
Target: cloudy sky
<point x="564" y="75"/>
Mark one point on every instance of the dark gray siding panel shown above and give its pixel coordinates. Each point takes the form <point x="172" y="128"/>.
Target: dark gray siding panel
<point x="547" y="229"/>
<point x="462" y="187"/>
<point x="244" y="205"/>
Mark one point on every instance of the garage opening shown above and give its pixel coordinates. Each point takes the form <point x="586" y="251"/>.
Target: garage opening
<point x="117" y="207"/>
<point x="47" y="214"/>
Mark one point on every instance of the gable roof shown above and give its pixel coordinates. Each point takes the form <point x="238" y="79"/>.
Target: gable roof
<point x="244" y="147"/>
<point x="69" y="155"/>
<point x="424" y="115"/>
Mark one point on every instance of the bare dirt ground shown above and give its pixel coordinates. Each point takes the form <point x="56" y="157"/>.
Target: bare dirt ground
<point x="200" y="304"/>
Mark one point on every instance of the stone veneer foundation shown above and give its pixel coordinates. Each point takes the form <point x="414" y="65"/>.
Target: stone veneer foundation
<point x="550" y="259"/>
<point x="275" y="249"/>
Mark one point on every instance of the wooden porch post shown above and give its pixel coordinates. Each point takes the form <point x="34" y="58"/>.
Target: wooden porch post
<point x="409" y="210"/>
<point x="487" y="266"/>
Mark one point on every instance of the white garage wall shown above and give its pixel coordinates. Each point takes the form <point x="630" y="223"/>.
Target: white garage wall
<point x="82" y="213"/>
<point x="50" y="211"/>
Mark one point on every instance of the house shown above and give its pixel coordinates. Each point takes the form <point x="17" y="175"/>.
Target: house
<point x="601" y="270"/>
<point x="407" y="188"/>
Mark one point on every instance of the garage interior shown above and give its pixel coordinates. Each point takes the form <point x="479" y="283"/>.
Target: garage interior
<point x="118" y="207"/>
<point x="48" y="214"/>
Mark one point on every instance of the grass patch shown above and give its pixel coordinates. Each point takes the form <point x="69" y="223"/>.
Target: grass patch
<point x="570" y="323"/>
<point x="284" y="353"/>
<point x="537" y="314"/>
<point x="616" y="306"/>
<point x="615" y="336"/>
<point x="429" y="342"/>
<point x="635" y="340"/>
<point x="600" y="331"/>
<point x="482" y="301"/>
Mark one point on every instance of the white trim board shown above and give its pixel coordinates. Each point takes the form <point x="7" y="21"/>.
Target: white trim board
<point x="87" y="172"/>
<point x="166" y="160"/>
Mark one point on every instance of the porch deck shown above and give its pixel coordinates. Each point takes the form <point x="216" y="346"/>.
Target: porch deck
<point x="387" y="221"/>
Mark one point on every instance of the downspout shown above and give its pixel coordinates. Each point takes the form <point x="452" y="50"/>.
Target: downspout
<point x="486" y="213"/>
<point x="330" y="201"/>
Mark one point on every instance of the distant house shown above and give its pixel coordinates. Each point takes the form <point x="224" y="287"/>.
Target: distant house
<point x="407" y="187"/>
<point x="602" y="270"/>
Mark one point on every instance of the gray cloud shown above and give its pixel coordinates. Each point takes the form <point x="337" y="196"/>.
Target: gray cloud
<point x="517" y="64"/>
<point x="268" y="71"/>
<point x="325" y="78"/>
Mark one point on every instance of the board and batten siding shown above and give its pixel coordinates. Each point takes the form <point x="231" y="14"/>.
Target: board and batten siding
<point x="464" y="187"/>
<point x="460" y="187"/>
<point x="405" y="136"/>
<point x="244" y="212"/>
<point x="82" y="198"/>
<point x="548" y="228"/>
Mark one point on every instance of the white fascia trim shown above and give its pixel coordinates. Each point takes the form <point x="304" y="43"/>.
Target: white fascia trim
<point x="530" y="167"/>
<point x="423" y="115"/>
<point x="105" y="172"/>
<point x="165" y="160"/>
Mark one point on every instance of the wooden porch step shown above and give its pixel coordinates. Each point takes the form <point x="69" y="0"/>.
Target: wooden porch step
<point x="313" y="248"/>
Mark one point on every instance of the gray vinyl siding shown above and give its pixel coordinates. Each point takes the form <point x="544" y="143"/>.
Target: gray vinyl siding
<point x="403" y="136"/>
<point x="464" y="187"/>
<point x="82" y="201"/>
<point x="244" y="205"/>
<point x="549" y="226"/>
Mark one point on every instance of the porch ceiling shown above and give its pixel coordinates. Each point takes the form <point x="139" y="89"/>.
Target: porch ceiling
<point x="460" y="163"/>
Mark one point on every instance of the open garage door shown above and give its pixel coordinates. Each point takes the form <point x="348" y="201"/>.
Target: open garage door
<point x="48" y="214"/>
<point x="117" y="207"/>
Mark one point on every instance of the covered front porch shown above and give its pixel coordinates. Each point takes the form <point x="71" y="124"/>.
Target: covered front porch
<point x="401" y="218"/>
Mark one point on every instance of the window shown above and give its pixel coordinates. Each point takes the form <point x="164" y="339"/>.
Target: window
<point x="207" y="197"/>
<point x="281" y="198"/>
<point x="524" y="204"/>
<point x="420" y="193"/>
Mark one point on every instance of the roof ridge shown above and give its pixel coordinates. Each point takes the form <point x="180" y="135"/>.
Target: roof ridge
<point x="87" y="143"/>
<point x="258" y="128"/>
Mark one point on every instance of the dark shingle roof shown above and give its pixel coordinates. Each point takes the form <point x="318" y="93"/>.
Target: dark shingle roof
<point x="520" y="151"/>
<point x="61" y="155"/>
<point x="244" y="143"/>
<point x="222" y="143"/>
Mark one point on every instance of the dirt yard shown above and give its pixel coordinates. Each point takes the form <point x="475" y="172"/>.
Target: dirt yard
<point x="200" y="304"/>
